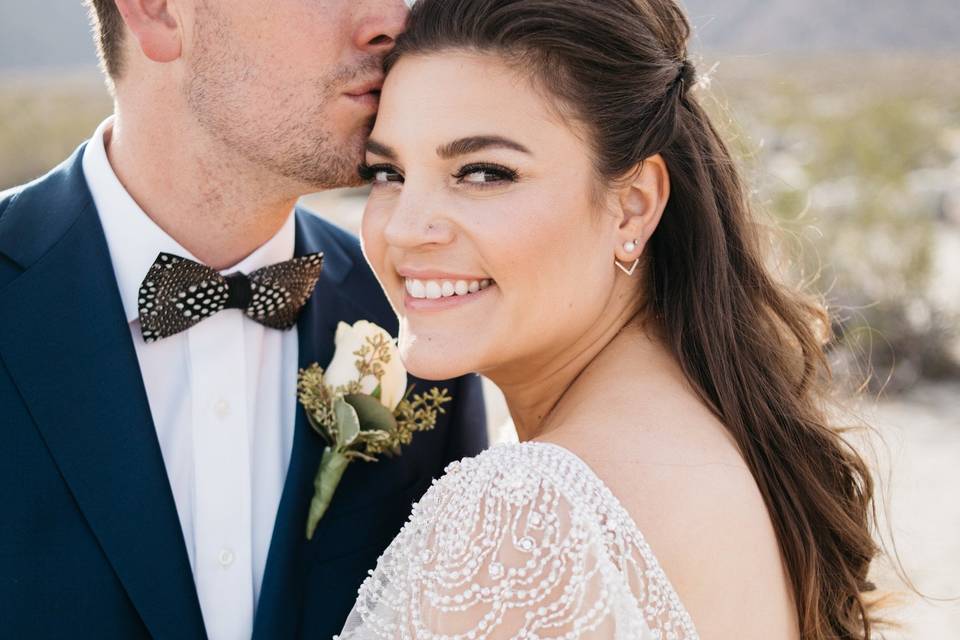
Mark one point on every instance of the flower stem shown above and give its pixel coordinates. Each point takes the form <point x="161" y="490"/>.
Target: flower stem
<point x="332" y="466"/>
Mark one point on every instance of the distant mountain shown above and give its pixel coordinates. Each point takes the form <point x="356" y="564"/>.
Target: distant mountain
<point x="55" y="34"/>
<point x="776" y="26"/>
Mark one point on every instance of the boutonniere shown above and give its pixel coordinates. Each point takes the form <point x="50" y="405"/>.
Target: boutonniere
<point x="361" y="406"/>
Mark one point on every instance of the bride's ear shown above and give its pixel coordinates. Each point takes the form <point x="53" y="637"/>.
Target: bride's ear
<point x="643" y="196"/>
<point x="155" y="27"/>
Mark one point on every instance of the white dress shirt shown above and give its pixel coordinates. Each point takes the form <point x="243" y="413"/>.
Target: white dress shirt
<point x="223" y="399"/>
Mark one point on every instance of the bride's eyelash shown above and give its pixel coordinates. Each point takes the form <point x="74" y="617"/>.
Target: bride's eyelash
<point x="502" y="173"/>
<point x="368" y="172"/>
<point x="499" y="172"/>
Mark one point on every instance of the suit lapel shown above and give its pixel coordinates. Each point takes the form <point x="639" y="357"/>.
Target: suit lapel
<point x="280" y="606"/>
<point x="65" y="340"/>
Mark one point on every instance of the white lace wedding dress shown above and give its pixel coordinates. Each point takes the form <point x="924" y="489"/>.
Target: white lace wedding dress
<point x="522" y="541"/>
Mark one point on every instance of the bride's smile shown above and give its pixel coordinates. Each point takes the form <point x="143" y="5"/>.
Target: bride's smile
<point x="442" y="286"/>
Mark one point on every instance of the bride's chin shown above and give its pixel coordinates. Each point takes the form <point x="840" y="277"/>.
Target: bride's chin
<point x="429" y="364"/>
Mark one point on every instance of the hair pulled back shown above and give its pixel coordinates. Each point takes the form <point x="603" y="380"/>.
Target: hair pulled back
<point x="752" y="347"/>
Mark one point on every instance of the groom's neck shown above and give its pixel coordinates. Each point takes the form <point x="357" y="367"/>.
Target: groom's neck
<point x="217" y="205"/>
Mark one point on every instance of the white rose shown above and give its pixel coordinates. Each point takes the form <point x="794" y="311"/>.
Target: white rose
<point x="343" y="368"/>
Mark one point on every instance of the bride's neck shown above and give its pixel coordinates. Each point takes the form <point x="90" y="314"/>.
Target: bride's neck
<point x="537" y="396"/>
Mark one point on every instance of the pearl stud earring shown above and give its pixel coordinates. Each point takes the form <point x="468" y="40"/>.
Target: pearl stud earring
<point x="629" y="247"/>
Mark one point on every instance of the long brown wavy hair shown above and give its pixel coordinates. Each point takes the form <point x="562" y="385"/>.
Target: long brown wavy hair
<point x="751" y="346"/>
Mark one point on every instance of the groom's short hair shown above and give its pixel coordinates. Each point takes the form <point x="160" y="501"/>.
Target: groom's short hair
<point x="108" y="30"/>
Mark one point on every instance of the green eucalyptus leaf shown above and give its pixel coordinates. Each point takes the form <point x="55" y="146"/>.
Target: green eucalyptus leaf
<point x="377" y="393"/>
<point x="348" y="422"/>
<point x="373" y="416"/>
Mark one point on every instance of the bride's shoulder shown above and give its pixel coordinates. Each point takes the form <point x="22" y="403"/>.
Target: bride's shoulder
<point x="520" y="470"/>
<point x="540" y="487"/>
<point x="536" y="483"/>
<point x="702" y="513"/>
<point x="517" y="542"/>
<point x="535" y="454"/>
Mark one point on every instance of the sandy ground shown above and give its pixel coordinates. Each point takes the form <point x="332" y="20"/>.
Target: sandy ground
<point x="920" y="458"/>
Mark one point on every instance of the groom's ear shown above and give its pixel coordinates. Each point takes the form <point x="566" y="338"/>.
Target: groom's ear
<point x="643" y="196"/>
<point x="155" y="27"/>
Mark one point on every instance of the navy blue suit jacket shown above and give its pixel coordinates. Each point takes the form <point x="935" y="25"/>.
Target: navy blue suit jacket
<point x="90" y="542"/>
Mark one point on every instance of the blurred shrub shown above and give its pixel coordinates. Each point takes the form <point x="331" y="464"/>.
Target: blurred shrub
<point x="852" y="159"/>
<point x="44" y="118"/>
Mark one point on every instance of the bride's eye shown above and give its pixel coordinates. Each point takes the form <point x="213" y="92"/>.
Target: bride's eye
<point x="380" y="173"/>
<point x="485" y="174"/>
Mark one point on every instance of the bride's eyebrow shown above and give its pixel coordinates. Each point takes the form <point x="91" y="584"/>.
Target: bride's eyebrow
<point x="459" y="147"/>
<point x="472" y="144"/>
<point x="380" y="149"/>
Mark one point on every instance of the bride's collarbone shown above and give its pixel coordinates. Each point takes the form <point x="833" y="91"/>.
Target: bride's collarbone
<point x="651" y="434"/>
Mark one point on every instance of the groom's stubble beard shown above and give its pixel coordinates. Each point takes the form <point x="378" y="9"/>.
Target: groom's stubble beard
<point x="286" y="131"/>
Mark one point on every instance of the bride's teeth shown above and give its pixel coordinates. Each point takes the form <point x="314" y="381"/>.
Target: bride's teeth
<point x="436" y="289"/>
<point x="416" y="289"/>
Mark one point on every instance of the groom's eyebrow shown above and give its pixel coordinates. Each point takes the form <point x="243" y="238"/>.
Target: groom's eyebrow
<point x="463" y="146"/>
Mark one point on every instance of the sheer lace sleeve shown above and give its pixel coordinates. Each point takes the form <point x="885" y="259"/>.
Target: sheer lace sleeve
<point x="522" y="541"/>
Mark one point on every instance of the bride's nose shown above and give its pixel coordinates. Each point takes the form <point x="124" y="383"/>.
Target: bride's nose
<point x="415" y="225"/>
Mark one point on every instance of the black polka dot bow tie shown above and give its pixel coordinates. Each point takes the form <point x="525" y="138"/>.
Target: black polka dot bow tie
<point x="178" y="293"/>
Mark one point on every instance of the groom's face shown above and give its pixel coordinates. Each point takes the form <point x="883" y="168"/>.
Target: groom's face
<point x="291" y="85"/>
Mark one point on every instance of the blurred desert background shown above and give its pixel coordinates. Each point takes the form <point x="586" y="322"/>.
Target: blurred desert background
<point x="846" y="116"/>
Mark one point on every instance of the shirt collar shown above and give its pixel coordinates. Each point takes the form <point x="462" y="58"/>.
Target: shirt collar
<point x="134" y="240"/>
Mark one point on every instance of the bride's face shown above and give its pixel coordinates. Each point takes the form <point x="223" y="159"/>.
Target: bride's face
<point x="484" y="225"/>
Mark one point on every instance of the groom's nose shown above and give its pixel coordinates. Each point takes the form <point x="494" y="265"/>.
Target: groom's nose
<point x="379" y="25"/>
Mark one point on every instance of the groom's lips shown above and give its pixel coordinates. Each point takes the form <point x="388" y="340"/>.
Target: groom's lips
<point x="367" y="94"/>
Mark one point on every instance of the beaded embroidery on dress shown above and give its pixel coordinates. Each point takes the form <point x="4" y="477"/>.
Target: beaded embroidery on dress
<point x="522" y="541"/>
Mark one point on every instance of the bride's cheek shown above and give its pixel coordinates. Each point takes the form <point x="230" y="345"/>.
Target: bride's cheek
<point x="373" y="241"/>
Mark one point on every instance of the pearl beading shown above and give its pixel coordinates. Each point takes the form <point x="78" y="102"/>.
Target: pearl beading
<point x="522" y="542"/>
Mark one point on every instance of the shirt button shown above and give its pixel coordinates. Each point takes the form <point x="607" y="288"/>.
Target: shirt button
<point x="222" y="408"/>
<point x="226" y="558"/>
